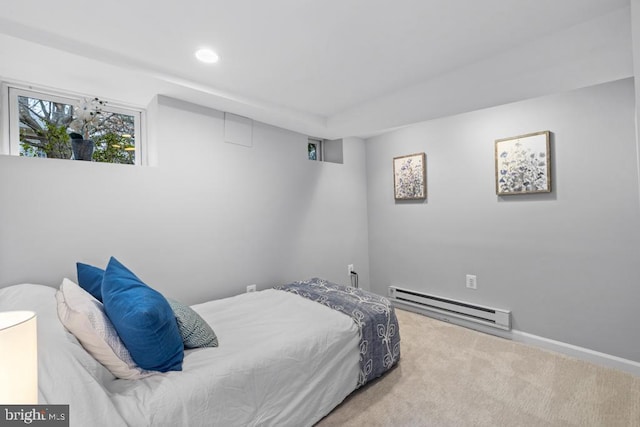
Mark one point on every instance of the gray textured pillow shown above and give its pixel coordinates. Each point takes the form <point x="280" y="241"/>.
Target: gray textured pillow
<point x="194" y="330"/>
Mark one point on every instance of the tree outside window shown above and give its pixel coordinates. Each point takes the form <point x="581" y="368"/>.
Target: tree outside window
<point x="47" y="124"/>
<point x="314" y="149"/>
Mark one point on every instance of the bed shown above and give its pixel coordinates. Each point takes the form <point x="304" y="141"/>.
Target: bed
<point x="286" y="356"/>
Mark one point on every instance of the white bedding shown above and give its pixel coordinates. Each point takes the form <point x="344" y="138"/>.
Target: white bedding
<point x="282" y="360"/>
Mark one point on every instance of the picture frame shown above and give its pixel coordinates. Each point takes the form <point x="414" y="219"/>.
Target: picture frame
<point x="523" y="164"/>
<point x="410" y="177"/>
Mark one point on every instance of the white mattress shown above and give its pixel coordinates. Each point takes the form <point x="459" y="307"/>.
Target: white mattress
<point x="282" y="360"/>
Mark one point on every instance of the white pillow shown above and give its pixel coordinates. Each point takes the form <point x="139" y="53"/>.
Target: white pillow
<point x="84" y="317"/>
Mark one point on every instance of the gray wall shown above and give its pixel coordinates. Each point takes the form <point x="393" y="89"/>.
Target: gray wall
<point x="566" y="263"/>
<point x="208" y="219"/>
<point x="211" y="217"/>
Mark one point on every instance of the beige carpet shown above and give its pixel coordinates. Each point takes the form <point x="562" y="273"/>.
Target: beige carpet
<point x="452" y="376"/>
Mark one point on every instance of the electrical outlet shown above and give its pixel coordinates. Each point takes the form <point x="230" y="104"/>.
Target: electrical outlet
<point x="251" y="288"/>
<point x="472" y="281"/>
<point x="349" y="269"/>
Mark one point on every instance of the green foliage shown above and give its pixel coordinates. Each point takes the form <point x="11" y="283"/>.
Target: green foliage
<point x="113" y="148"/>
<point x="45" y="124"/>
<point x="28" y="150"/>
<point x="58" y="145"/>
<point x="51" y="141"/>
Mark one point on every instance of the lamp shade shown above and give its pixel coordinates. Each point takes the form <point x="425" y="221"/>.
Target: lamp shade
<point x="18" y="358"/>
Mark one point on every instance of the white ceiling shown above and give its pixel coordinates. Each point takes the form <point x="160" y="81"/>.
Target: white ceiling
<point x="328" y="68"/>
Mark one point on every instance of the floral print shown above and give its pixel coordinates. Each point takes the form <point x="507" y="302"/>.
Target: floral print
<point x="521" y="167"/>
<point x="409" y="177"/>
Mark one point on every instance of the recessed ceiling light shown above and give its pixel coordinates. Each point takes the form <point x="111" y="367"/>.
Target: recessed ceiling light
<point x="207" y="56"/>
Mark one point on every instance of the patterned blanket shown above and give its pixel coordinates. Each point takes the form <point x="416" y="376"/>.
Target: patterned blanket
<point x="373" y="314"/>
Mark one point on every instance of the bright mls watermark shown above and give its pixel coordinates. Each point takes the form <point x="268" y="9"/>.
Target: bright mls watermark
<point x="36" y="415"/>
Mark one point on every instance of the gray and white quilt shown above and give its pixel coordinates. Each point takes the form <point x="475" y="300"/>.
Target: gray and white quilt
<point x="374" y="315"/>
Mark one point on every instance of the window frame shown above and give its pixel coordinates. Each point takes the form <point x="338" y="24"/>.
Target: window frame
<point x="11" y="125"/>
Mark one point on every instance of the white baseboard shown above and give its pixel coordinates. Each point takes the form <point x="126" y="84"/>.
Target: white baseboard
<point x="596" y="357"/>
<point x="581" y="353"/>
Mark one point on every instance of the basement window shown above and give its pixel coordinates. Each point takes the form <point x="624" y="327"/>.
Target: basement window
<point x="314" y="149"/>
<point x="60" y="126"/>
<point x="323" y="150"/>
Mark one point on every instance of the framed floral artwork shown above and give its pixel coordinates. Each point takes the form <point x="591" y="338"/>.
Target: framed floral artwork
<point x="523" y="165"/>
<point x="410" y="177"/>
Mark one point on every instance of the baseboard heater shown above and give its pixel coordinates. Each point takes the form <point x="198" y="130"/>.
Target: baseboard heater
<point x="487" y="316"/>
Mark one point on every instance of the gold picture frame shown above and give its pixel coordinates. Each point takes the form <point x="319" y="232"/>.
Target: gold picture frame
<point x="410" y="177"/>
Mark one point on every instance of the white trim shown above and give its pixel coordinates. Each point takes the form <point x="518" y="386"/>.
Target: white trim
<point x="588" y="355"/>
<point x="5" y="143"/>
<point x="142" y="155"/>
<point x="48" y="90"/>
<point x="596" y="357"/>
<point x="10" y="142"/>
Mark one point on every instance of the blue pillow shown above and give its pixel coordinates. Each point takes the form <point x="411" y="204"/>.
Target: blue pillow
<point x="90" y="279"/>
<point x="143" y="319"/>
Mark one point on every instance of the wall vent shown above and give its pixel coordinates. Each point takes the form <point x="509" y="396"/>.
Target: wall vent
<point x="487" y="316"/>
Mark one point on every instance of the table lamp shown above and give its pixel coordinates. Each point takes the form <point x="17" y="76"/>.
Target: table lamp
<point x="18" y="358"/>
